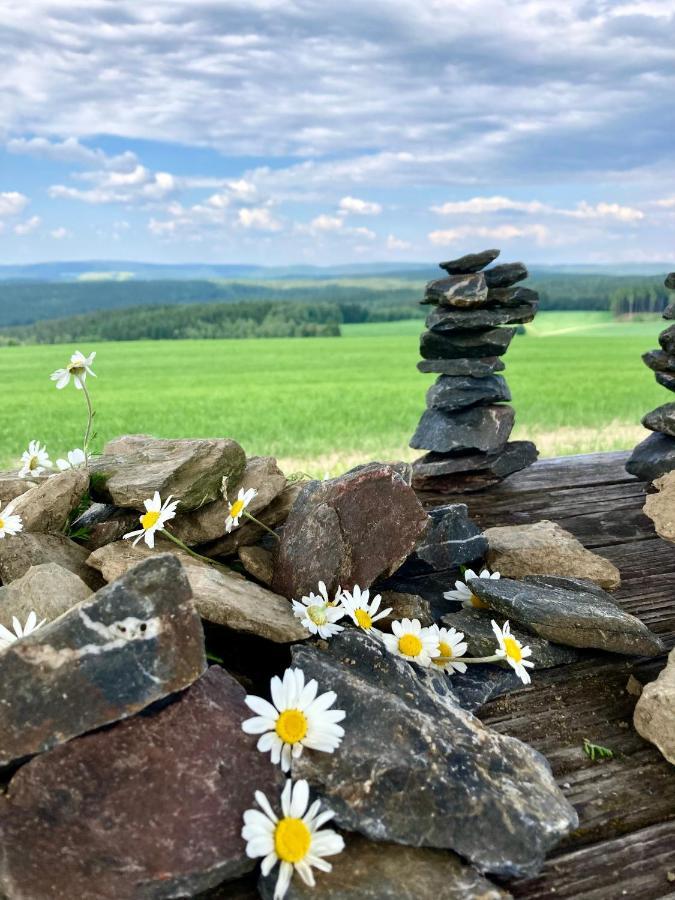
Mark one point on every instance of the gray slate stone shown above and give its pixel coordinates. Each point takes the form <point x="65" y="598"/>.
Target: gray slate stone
<point x="571" y="617"/>
<point x="26" y="550"/>
<point x="104" y="524"/>
<point x="670" y="281"/>
<point x="471" y="262"/>
<point x="485" y="428"/>
<point x="667" y="340"/>
<point x="47" y="506"/>
<point x="443" y="319"/>
<point x="461" y="291"/>
<point x="652" y="458"/>
<point x="451" y="393"/>
<point x="661" y="419"/>
<point x="404" y="606"/>
<point x="49" y="590"/>
<point x="505" y="275"/>
<point x="512" y="297"/>
<point x="473" y="471"/>
<point x="136" y="641"/>
<point x="454" y="770"/>
<point x="466" y="344"/>
<point x="666" y="380"/>
<point x="451" y="539"/>
<point x="669" y="311"/>
<point x="476" y="368"/>
<point x="659" y="361"/>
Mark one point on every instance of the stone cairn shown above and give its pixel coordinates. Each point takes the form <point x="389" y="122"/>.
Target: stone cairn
<point x="467" y="423"/>
<point x="655" y="456"/>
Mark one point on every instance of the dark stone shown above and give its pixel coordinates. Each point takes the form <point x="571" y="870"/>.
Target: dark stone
<point x="466" y="472"/>
<point x="475" y="368"/>
<point x="505" y="275"/>
<point x="134" y="642"/>
<point x="405" y="606"/>
<point x="666" y="380"/>
<point x="465" y="344"/>
<point x="512" y="297"/>
<point x="669" y="311"/>
<point x="581" y="585"/>
<point x="105" y="524"/>
<point x="667" y="340"/>
<point x="485" y="428"/>
<point x="461" y="291"/>
<point x="149" y="808"/>
<point x="670" y="281"/>
<point x="571" y="617"/>
<point x="444" y="319"/>
<point x="472" y="262"/>
<point x="458" y="392"/>
<point x="452" y="769"/>
<point x="348" y="530"/>
<point x="451" y="539"/>
<point x="659" y="361"/>
<point x="26" y="550"/>
<point x="661" y="419"/>
<point x="652" y="458"/>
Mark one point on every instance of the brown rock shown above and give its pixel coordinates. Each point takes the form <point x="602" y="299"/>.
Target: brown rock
<point x="661" y="507"/>
<point x="11" y="486"/>
<point x="544" y="548"/>
<point x="49" y="590"/>
<point x="25" y="550"/>
<point x="248" y="532"/>
<point x="258" y="562"/>
<point x="47" y="506"/>
<point x="654" y="716"/>
<point x="149" y="808"/>
<point x="405" y="606"/>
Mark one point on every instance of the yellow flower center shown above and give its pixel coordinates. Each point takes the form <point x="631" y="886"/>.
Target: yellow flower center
<point x="477" y="603"/>
<point x="291" y="726"/>
<point x="446" y="654"/>
<point x="410" y="645"/>
<point x="76" y="368"/>
<point x="149" y="519"/>
<point x="236" y="508"/>
<point x="512" y="648"/>
<point x="2" y="524"/>
<point x="363" y="619"/>
<point x="33" y="464"/>
<point x="292" y="840"/>
<point x="317" y="614"/>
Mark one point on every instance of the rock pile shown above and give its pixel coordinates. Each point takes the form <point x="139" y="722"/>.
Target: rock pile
<point x="467" y="423"/>
<point x="655" y="456"/>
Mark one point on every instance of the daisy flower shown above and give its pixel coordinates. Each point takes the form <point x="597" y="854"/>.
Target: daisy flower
<point x="296" y="840"/>
<point x="10" y="523"/>
<point x="464" y="593"/>
<point x="511" y="650"/>
<point x="34" y="460"/>
<point x="299" y="718"/>
<point x="361" y="609"/>
<point x="79" y="367"/>
<point x="412" y="642"/>
<point x="154" y="519"/>
<point x="237" y="508"/>
<point x="319" y="614"/>
<point x="7" y="637"/>
<point x="74" y="459"/>
<point x="451" y="645"/>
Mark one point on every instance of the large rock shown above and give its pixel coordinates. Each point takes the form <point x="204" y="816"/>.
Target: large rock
<point x="49" y="590"/>
<point x="660" y="507"/>
<point x="25" y="550"/>
<point x="133" y="467"/>
<point x="475" y="368"/>
<point x="404" y="606"/>
<point x="450" y="393"/>
<point x="505" y="275"/>
<point x="149" y="808"/>
<point x="137" y="640"/>
<point x="512" y="297"/>
<point x="654" y="716"/>
<point x="670" y="281"/>
<point x="666" y="380"/>
<point x="659" y="361"/>
<point x="445" y="319"/>
<point x="667" y="339"/>
<point x="249" y="533"/>
<point x="661" y="419"/>
<point x="348" y="530"/>
<point x="471" y="262"/>
<point x="219" y="594"/>
<point x="429" y="771"/>
<point x="465" y="344"/>
<point x="652" y="458"/>
<point x="451" y="539"/>
<point x="567" y="615"/>
<point x="544" y="548"/>
<point x="47" y="506"/>
<point x="258" y="562"/>
<point x="103" y="523"/>
<point x="12" y="486"/>
<point x="462" y="291"/>
<point x="473" y="471"/>
<point x="484" y="428"/>
<point x="376" y="871"/>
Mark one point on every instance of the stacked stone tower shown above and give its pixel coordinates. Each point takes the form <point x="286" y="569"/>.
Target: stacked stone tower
<point x="467" y="423"/>
<point x="656" y="454"/>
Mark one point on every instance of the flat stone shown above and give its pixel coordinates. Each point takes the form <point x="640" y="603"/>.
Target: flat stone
<point x="660" y="507"/>
<point x="667" y="340"/>
<point x="348" y="530"/>
<point x="405" y="606"/>
<point x="453" y="769"/>
<point x="666" y="380"/>
<point x="544" y="548"/>
<point x="133" y="467"/>
<point x="443" y="319"/>
<point x="669" y="311"/>
<point x="470" y="263"/>
<point x="505" y="275"/>
<point x="11" y="486"/>
<point x="220" y="595"/>
<point x="151" y="807"/>
<point x="208" y="523"/>
<point x="484" y="428"/>
<point x="375" y="871"/>
<point x="473" y="471"/>
<point x="512" y="297"/>
<point x="451" y="393"/>
<point x="460" y="291"/>
<point x="570" y="617"/>
<point x="103" y="523"/>
<point x="26" y="550"/>
<point x="654" y="716"/>
<point x="47" y="506"/>
<point x="652" y="458"/>
<point x="661" y="419"/>
<point x="451" y="539"/>
<point x="258" y="562"/>
<point x="465" y="344"/>
<point x="476" y="368"/>
<point x="49" y="590"/>
<point x="659" y="361"/>
<point x="476" y="625"/>
<point x="670" y="281"/>
<point x="134" y="642"/>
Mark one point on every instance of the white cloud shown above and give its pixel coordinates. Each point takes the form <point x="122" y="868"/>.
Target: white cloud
<point x="394" y="243"/>
<point x="12" y="203"/>
<point x="359" y="207"/>
<point x="324" y="222"/>
<point x="583" y="210"/>
<point x="69" y="150"/>
<point x="27" y="227"/>
<point x="258" y="218"/>
<point x="60" y="233"/>
<point x="539" y="233"/>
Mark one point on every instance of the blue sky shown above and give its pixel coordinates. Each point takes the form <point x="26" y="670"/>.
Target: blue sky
<point x="315" y="131"/>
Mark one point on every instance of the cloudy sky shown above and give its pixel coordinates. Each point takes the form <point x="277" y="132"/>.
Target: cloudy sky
<point x="290" y="131"/>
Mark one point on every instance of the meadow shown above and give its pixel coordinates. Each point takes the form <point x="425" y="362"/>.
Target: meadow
<point x="324" y="404"/>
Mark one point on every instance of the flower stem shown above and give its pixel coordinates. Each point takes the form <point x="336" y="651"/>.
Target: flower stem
<point x="179" y="543"/>
<point x="479" y="659"/>
<point x="262" y="524"/>
<point x="90" y="419"/>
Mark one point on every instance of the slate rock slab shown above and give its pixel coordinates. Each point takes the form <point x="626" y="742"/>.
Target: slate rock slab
<point x="49" y="590"/>
<point x="461" y="291"/>
<point x="465" y="344"/>
<point x="652" y="458"/>
<point x="26" y="550"/>
<point x="248" y="533"/>
<point x="404" y="606"/>
<point x="258" y="562"/>
<point x="348" y="530"/>
<point x="133" y="467"/>
<point x="471" y="262"/>
<point x="484" y="428"/>
<point x="654" y="716"/>
<point x="669" y="312"/>
<point x="12" y="486"/>
<point x="444" y="319"/>
<point x="370" y="871"/>
<point x="670" y="281"/>
<point x="476" y="368"/>
<point x="667" y="340"/>
<point x="660" y="507"/>
<point x="104" y="523"/>
<point x="659" y="361"/>
<point x="451" y="539"/>
<point x="148" y="808"/>
<point x="47" y="506"/>
<point x="571" y="617"/>
<point x="661" y="419"/>
<point x="544" y="548"/>
<point x="450" y="393"/>
<point x="666" y="380"/>
<point x="430" y="770"/>
<point x="512" y="297"/>
<point x="473" y="471"/>
<point x="505" y="275"/>
<point x="134" y="642"/>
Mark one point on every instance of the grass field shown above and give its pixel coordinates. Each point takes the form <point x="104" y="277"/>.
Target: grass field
<point x="320" y="405"/>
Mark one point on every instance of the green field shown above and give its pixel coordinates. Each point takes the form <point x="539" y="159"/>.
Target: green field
<point x="322" y="404"/>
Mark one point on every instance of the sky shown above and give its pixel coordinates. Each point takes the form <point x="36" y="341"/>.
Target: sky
<point x="321" y="132"/>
